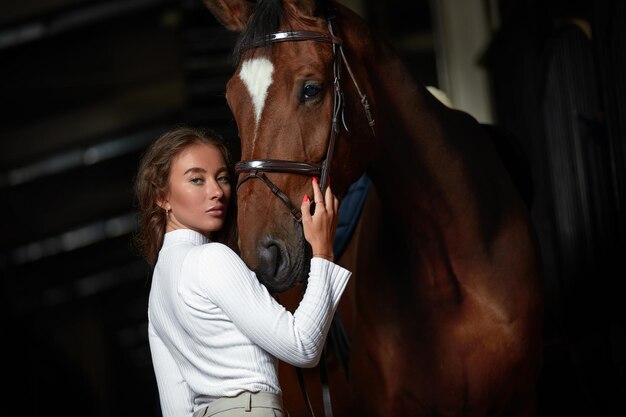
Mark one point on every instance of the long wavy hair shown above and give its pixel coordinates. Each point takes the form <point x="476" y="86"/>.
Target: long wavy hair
<point x="152" y="182"/>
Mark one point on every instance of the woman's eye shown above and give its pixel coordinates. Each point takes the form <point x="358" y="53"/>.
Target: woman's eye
<point x="310" y="90"/>
<point x="224" y="179"/>
<point x="196" y="180"/>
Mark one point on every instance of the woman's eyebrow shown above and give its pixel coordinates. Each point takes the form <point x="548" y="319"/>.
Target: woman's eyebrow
<point x="195" y="169"/>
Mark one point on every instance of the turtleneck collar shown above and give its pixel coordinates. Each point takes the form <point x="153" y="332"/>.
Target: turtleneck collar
<point x="184" y="235"/>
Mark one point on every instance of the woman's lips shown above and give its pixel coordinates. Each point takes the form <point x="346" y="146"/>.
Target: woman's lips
<point x="218" y="211"/>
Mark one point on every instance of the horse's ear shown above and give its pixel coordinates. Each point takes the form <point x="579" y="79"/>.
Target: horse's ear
<point x="233" y="14"/>
<point x="306" y="8"/>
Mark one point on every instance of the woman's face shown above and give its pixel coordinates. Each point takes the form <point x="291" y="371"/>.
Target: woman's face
<point x="199" y="190"/>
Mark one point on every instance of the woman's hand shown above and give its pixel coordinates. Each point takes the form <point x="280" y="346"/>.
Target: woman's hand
<point x="319" y="228"/>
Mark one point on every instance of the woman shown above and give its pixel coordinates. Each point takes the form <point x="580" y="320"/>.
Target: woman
<point x="215" y="332"/>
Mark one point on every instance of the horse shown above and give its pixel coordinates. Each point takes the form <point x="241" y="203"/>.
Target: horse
<point x="447" y="291"/>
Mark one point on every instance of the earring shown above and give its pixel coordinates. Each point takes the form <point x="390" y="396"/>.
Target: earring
<point x="167" y="212"/>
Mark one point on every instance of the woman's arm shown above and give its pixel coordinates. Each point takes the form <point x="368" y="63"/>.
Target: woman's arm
<point x="296" y="338"/>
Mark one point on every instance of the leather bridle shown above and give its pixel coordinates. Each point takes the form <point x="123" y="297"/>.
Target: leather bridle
<point x="258" y="167"/>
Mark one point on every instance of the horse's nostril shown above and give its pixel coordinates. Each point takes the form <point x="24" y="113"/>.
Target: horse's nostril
<point x="277" y="267"/>
<point x="271" y="261"/>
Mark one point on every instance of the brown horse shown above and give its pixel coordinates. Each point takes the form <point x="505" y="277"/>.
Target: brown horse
<point x="447" y="294"/>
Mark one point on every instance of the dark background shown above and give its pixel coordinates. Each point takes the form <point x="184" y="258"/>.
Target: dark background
<point x="86" y="85"/>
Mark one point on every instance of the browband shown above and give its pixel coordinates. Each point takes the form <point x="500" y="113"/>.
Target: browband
<point x="301" y="35"/>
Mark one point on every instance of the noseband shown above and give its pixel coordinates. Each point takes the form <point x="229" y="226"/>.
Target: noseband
<point x="258" y="167"/>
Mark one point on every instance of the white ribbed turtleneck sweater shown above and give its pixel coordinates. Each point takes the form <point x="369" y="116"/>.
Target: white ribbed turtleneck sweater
<point x="215" y="331"/>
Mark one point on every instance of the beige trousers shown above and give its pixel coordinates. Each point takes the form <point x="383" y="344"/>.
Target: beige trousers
<point x="246" y="404"/>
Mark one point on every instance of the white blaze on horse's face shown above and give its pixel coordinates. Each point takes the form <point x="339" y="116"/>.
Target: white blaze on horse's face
<point x="256" y="74"/>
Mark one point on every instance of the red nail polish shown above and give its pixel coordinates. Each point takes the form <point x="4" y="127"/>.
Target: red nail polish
<point x="306" y="198"/>
<point x="315" y="180"/>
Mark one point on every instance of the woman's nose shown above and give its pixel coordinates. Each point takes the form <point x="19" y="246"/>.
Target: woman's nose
<point x="215" y="190"/>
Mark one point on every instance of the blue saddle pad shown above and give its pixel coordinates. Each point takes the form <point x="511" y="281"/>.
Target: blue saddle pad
<point x="349" y="212"/>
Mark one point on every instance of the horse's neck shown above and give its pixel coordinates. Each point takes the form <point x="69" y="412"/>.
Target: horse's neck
<point x="422" y="174"/>
<point x="414" y="162"/>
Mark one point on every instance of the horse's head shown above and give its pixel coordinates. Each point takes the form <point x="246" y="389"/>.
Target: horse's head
<point x="284" y="100"/>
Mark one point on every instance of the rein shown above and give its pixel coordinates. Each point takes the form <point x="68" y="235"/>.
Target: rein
<point x="257" y="168"/>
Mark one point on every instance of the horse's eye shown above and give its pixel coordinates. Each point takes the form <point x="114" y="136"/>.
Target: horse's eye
<point x="310" y="90"/>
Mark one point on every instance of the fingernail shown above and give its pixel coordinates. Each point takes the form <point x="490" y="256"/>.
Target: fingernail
<point x="315" y="180"/>
<point x="306" y="198"/>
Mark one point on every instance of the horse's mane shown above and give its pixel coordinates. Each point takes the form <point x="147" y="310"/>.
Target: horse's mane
<point x="265" y="20"/>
